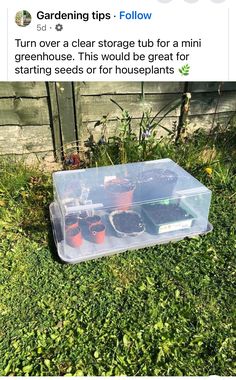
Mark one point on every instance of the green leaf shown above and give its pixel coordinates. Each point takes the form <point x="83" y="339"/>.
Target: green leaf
<point x="79" y="372"/>
<point x="126" y="340"/>
<point x="47" y="363"/>
<point x="15" y="344"/>
<point x="27" y="368"/>
<point x="142" y="287"/>
<point x="150" y="281"/>
<point x="177" y="294"/>
<point x="184" y="70"/>
<point x="96" y="354"/>
<point x="159" y="325"/>
<point x="7" y="369"/>
<point x="160" y="355"/>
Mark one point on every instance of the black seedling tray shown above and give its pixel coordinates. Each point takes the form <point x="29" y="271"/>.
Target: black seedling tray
<point x="168" y="217"/>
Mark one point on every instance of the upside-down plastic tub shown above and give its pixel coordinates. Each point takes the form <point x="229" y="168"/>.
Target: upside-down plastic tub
<point x="101" y="211"/>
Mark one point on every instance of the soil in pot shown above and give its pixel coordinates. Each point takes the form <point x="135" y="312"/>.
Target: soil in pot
<point x="97" y="232"/>
<point x="71" y="221"/>
<point x="128" y="222"/>
<point x="91" y="220"/>
<point x="74" y="237"/>
<point x="120" y="193"/>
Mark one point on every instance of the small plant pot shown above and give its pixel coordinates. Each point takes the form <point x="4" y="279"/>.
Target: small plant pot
<point x="97" y="233"/>
<point x="120" y="193"/>
<point x="74" y="237"/>
<point x="93" y="220"/>
<point x="82" y="217"/>
<point x="71" y="222"/>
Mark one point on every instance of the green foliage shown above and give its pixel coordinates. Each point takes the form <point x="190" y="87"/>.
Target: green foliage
<point x="128" y="146"/>
<point x="165" y="310"/>
<point x="184" y="70"/>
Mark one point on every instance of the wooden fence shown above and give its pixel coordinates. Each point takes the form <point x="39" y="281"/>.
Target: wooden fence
<point x="24" y="118"/>
<point x="48" y="118"/>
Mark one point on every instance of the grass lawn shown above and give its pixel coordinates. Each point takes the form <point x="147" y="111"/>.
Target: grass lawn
<point x="165" y="310"/>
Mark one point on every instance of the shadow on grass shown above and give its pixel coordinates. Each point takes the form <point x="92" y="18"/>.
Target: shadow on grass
<point x="50" y="238"/>
<point x="40" y="229"/>
<point x="223" y="139"/>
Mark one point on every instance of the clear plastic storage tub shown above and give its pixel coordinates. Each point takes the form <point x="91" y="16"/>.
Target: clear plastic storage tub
<point x="102" y="211"/>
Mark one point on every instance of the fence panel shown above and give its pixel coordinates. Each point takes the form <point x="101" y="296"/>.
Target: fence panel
<point x="54" y="117"/>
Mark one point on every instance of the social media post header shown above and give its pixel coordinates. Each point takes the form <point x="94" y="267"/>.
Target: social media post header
<point x="152" y="40"/>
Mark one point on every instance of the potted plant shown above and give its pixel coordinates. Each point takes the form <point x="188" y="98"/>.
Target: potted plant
<point x="120" y="193"/>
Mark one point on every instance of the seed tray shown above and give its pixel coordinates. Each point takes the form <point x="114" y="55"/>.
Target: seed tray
<point x="168" y="217"/>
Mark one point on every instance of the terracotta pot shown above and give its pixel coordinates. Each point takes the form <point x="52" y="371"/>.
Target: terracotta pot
<point x="120" y="193"/>
<point x="71" y="221"/>
<point x="74" y="237"/>
<point x="92" y="220"/>
<point x="98" y="232"/>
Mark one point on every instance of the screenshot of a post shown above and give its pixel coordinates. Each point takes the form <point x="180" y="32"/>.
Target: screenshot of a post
<point x="118" y="188"/>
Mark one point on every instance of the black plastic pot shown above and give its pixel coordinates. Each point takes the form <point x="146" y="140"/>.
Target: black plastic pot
<point x="155" y="184"/>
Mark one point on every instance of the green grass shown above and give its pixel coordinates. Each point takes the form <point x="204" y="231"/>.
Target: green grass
<point x="166" y="310"/>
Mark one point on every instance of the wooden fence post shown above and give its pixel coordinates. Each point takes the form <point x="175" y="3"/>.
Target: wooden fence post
<point x="62" y="109"/>
<point x="78" y="112"/>
<point x="55" y="121"/>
